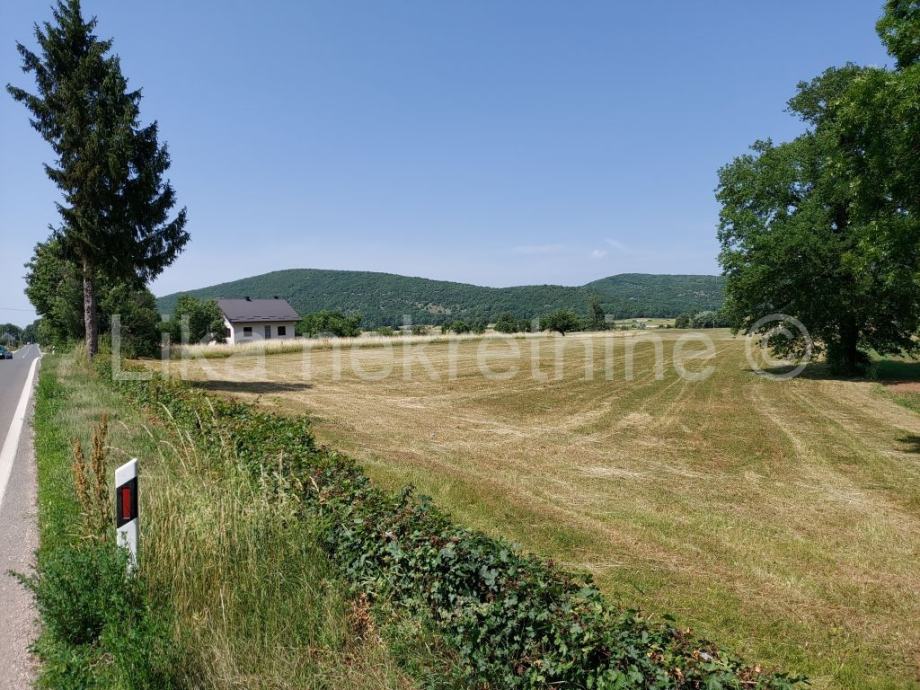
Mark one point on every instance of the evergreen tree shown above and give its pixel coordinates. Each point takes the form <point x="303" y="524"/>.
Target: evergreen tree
<point x="116" y="205"/>
<point x="598" y="320"/>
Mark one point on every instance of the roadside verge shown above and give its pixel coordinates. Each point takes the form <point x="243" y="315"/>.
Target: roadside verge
<point x="233" y="589"/>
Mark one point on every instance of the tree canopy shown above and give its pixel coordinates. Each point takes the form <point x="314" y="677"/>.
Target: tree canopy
<point x="561" y="321"/>
<point x="197" y="321"/>
<point x="53" y="287"/>
<point x="899" y="29"/>
<point x="702" y="319"/>
<point x="460" y="327"/>
<point x="326" y="322"/>
<point x="825" y="228"/>
<point x="507" y="323"/>
<point x="11" y="334"/>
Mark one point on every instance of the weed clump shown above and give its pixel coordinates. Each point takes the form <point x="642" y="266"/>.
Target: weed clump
<point x="90" y="484"/>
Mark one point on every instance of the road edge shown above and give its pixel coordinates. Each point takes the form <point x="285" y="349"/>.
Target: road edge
<point x="10" y="451"/>
<point x="21" y="626"/>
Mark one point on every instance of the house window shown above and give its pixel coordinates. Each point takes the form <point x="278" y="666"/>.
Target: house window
<point x="282" y="330"/>
<point x="268" y="332"/>
<point x="247" y="331"/>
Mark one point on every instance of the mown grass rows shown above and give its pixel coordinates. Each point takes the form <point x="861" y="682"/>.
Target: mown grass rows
<point x="514" y="621"/>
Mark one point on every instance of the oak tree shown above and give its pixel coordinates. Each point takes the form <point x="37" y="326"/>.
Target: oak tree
<point x="826" y="227"/>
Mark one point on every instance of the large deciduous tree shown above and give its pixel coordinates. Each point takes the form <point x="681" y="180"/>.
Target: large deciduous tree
<point x="197" y="321"/>
<point x="561" y="321"/>
<point x="115" y="213"/>
<point x="826" y="228"/>
<point x="53" y="286"/>
<point x="334" y="323"/>
<point x="899" y="29"/>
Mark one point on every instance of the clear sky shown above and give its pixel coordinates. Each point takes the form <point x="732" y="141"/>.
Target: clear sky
<point x="483" y="141"/>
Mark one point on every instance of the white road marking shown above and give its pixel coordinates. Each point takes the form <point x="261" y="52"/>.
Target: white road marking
<point x="11" y="444"/>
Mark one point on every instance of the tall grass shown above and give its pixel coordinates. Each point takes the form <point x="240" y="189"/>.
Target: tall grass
<point x="231" y="568"/>
<point x="254" y="600"/>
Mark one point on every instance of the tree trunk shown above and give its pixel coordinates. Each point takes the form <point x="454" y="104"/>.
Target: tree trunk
<point x="850" y="356"/>
<point x="89" y="311"/>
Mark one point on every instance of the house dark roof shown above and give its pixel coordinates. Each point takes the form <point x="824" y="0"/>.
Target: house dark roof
<point x="237" y="310"/>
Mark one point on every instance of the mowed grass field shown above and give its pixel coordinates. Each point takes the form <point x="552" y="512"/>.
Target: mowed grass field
<point x="780" y="518"/>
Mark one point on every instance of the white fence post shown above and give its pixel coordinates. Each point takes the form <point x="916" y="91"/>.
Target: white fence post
<point x="126" y="510"/>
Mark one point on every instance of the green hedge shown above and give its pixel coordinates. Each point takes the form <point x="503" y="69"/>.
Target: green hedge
<point x="513" y="620"/>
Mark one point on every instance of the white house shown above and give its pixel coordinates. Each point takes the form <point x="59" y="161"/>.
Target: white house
<point x="249" y="320"/>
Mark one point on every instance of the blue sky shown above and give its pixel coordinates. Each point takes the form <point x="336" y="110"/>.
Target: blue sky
<point x="484" y="141"/>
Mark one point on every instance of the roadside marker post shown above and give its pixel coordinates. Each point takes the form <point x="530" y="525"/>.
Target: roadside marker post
<point x="126" y="510"/>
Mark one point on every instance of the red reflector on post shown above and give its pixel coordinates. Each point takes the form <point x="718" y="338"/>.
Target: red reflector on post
<point x="126" y="502"/>
<point x="126" y="507"/>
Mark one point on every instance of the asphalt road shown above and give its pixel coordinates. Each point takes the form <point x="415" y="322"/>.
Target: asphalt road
<point x="18" y="528"/>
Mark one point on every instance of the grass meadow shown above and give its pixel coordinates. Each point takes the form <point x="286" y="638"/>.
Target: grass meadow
<point x="778" y="518"/>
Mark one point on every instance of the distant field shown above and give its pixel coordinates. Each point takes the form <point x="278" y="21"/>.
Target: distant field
<point x="648" y="322"/>
<point x="781" y="519"/>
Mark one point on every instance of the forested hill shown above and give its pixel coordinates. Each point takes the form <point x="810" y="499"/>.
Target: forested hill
<point x="384" y="298"/>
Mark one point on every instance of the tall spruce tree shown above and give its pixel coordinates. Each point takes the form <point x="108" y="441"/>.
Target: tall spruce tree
<point x="115" y="214"/>
<point x="598" y="319"/>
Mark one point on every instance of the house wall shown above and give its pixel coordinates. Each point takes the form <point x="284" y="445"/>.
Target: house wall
<point x="238" y="332"/>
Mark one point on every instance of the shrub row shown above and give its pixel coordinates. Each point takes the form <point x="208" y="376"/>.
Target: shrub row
<point x="513" y="620"/>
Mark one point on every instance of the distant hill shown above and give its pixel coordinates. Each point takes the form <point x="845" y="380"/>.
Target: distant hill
<point x="384" y="298"/>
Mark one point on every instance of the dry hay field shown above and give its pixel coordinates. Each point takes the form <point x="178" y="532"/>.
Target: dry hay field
<point x="780" y="518"/>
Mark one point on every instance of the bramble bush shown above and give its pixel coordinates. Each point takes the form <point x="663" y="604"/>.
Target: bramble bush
<point x="513" y="620"/>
